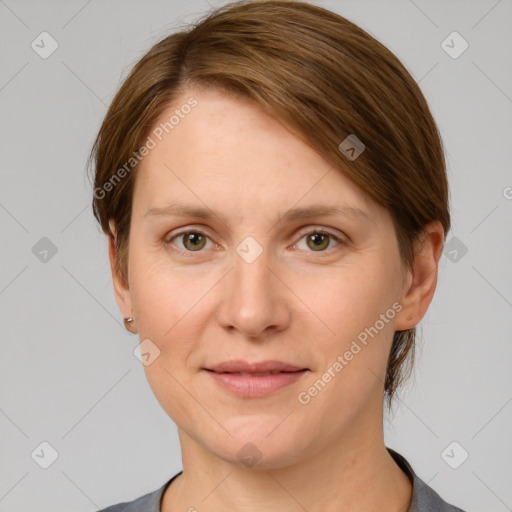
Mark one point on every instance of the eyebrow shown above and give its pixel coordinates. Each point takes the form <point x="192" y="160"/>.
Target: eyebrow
<point x="316" y="210"/>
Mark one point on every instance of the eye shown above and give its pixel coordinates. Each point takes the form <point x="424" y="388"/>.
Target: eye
<point x="195" y="241"/>
<point x="192" y="241"/>
<point x="318" y="240"/>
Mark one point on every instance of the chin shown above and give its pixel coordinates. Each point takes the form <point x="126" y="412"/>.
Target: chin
<point x="262" y="446"/>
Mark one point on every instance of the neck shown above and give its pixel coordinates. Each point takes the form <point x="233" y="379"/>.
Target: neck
<point x="356" y="475"/>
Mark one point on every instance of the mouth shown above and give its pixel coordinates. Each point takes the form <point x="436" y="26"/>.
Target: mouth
<point x="253" y="380"/>
<point x="254" y="374"/>
<point x="258" y="367"/>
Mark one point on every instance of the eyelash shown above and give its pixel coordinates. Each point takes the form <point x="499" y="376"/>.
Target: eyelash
<point x="168" y="240"/>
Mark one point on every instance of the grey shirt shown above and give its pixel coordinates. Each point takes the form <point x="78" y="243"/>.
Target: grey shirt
<point x="424" y="498"/>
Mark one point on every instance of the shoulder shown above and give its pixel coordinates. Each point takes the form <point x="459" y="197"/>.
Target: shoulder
<point x="145" y="503"/>
<point x="424" y="498"/>
<point x="150" y="502"/>
<point x="427" y="500"/>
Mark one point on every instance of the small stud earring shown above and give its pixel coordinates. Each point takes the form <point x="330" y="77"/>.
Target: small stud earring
<point x="127" y="322"/>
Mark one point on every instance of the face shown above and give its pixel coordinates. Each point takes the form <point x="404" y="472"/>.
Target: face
<point x="232" y="259"/>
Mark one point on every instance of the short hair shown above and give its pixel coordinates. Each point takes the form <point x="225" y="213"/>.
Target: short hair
<point x="320" y="75"/>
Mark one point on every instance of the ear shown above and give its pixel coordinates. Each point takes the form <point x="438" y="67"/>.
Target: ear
<point x="121" y="290"/>
<point x="420" y="282"/>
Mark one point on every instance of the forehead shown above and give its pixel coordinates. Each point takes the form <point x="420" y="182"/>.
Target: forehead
<point x="227" y="152"/>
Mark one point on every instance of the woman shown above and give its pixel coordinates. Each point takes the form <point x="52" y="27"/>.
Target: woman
<point x="273" y="188"/>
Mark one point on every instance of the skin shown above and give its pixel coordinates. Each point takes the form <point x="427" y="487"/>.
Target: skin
<point x="295" y="303"/>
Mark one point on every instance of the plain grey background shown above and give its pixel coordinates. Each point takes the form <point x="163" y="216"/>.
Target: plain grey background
<point x="68" y="373"/>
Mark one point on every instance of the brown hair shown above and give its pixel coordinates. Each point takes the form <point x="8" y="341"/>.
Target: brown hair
<point x="320" y="75"/>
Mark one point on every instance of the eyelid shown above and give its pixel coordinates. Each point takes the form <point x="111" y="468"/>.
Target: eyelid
<point x="339" y="239"/>
<point x="320" y="229"/>
<point x="187" y="229"/>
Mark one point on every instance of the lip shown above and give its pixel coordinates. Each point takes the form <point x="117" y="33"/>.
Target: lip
<point x="237" y="366"/>
<point x="244" y="379"/>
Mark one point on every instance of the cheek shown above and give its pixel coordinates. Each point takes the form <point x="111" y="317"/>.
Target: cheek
<point x="358" y="304"/>
<point x="163" y="295"/>
<point x="351" y="298"/>
<point x="168" y="308"/>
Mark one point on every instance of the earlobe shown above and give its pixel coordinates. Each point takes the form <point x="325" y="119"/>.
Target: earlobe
<point x="421" y="280"/>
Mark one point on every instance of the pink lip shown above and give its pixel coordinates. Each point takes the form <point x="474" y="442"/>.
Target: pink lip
<point x="237" y="366"/>
<point x="228" y="375"/>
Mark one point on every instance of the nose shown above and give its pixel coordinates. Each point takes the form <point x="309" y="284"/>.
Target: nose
<point x="255" y="302"/>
